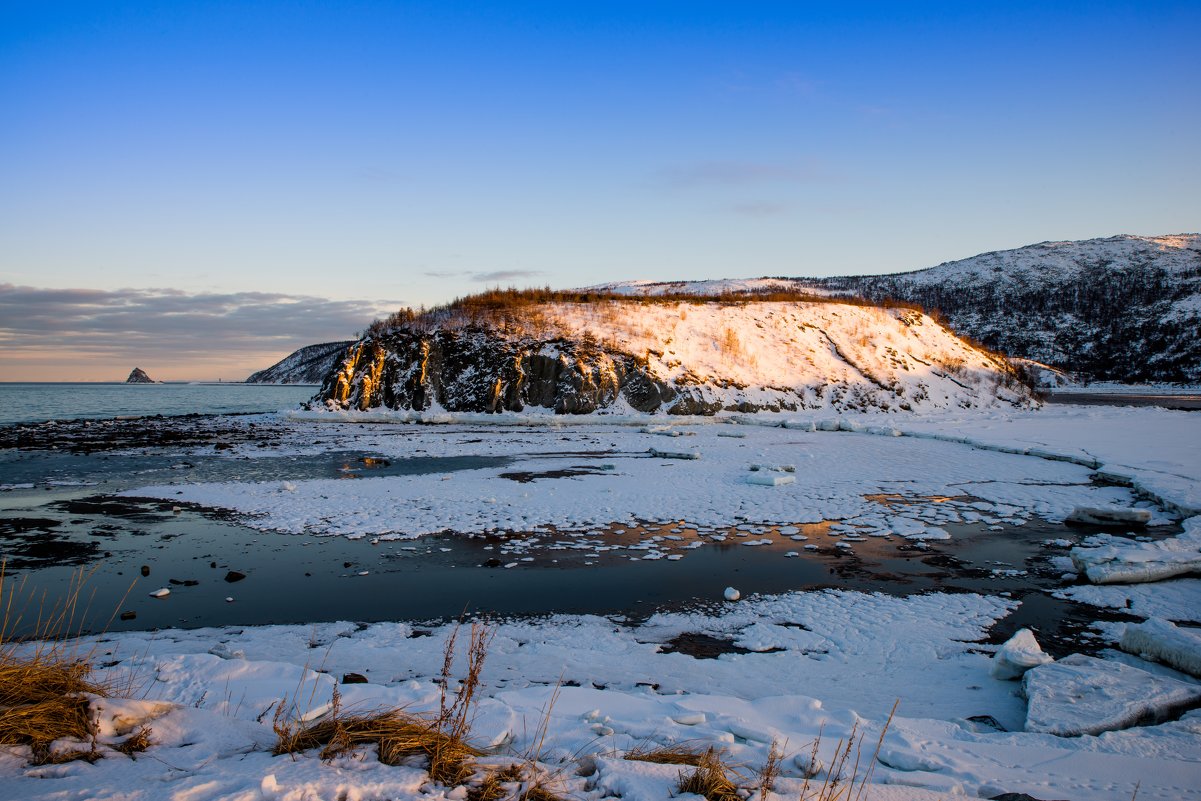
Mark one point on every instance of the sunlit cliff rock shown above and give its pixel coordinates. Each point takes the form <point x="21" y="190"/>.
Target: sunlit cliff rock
<point x="673" y="357"/>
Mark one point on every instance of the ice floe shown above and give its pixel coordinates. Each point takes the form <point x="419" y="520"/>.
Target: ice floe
<point x="1017" y="655"/>
<point x="1095" y="516"/>
<point x="1085" y="695"/>
<point x="1106" y="559"/>
<point x="1161" y="641"/>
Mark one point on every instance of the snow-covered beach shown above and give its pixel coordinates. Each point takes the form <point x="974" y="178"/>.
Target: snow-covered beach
<point x="799" y="665"/>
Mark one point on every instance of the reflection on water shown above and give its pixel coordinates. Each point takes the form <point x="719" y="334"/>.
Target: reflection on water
<point x="131" y="548"/>
<point x="113" y="472"/>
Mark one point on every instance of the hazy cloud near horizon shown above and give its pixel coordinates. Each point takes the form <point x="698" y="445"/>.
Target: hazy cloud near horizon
<point x="157" y="325"/>
<point x="496" y="276"/>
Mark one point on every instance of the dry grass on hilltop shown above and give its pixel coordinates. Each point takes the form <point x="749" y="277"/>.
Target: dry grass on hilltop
<point x="499" y="305"/>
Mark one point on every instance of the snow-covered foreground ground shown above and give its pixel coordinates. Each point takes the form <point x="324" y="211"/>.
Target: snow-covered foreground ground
<point x="819" y="662"/>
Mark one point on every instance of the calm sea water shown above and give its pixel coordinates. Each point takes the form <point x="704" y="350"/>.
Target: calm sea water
<point x="22" y="403"/>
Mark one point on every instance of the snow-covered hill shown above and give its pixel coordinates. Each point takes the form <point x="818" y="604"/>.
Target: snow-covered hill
<point x="309" y="365"/>
<point x="1122" y="308"/>
<point x="676" y="357"/>
<point x="1125" y="308"/>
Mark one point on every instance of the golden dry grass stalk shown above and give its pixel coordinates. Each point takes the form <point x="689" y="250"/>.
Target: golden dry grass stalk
<point x="440" y="738"/>
<point x="843" y="781"/>
<point x="710" y="779"/>
<point x="539" y="792"/>
<point x="771" y="770"/>
<point x="679" y="754"/>
<point x="493" y="786"/>
<point x="135" y="743"/>
<point x="44" y="685"/>
<point x="397" y="734"/>
<point x="44" y="722"/>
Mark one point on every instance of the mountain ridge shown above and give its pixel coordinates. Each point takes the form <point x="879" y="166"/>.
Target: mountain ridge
<point x="1121" y="308"/>
<point x="307" y="365"/>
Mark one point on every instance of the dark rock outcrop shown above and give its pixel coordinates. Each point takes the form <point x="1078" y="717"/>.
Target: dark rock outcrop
<point x="472" y="370"/>
<point x="477" y="368"/>
<point x="138" y="376"/>
<point x="672" y="358"/>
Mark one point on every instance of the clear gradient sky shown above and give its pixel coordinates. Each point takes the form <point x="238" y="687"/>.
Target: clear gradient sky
<point x="306" y="165"/>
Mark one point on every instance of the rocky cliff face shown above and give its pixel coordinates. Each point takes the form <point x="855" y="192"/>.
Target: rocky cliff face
<point x="673" y="358"/>
<point x="138" y="376"/>
<point x="475" y="370"/>
<point x="309" y="365"/>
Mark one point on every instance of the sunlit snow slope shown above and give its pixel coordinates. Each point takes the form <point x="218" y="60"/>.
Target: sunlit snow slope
<point x="1122" y="308"/>
<point x="673" y="357"/>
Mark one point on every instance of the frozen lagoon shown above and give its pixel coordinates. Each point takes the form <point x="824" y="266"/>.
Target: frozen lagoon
<point x="810" y="658"/>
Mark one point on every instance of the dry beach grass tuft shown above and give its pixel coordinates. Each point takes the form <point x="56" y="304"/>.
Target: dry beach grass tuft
<point x="710" y="779"/>
<point x="677" y="754"/>
<point x="440" y="739"/>
<point x="45" y="685"/>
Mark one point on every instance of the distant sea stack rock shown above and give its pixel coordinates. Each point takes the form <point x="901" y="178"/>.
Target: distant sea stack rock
<point x="138" y="376"/>
<point x="578" y="353"/>
<point x="309" y="365"/>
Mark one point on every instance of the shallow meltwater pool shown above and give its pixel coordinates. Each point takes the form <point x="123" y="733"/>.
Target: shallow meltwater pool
<point x="69" y="517"/>
<point x="221" y="573"/>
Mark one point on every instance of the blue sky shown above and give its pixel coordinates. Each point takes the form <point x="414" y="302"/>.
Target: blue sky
<point x="410" y="152"/>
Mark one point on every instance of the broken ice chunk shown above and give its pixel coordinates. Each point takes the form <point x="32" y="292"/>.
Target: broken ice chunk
<point x="1109" y="516"/>
<point x="1105" y="559"/>
<point x="1162" y="641"/>
<point x="1019" y="653"/>
<point x="1085" y="695"/>
<point x="770" y="479"/>
<point x="674" y="454"/>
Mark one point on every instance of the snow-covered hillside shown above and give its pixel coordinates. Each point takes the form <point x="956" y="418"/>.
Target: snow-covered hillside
<point x="1125" y="308"/>
<point x="674" y="357"/>
<point x="1122" y="308"/>
<point x="309" y="365"/>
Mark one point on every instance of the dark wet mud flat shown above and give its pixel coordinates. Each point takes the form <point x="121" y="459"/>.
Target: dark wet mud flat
<point x="1183" y="401"/>
<point x="109" y="472"/>
<point x="126" y="548"/>
<point x="134" y="431"/>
